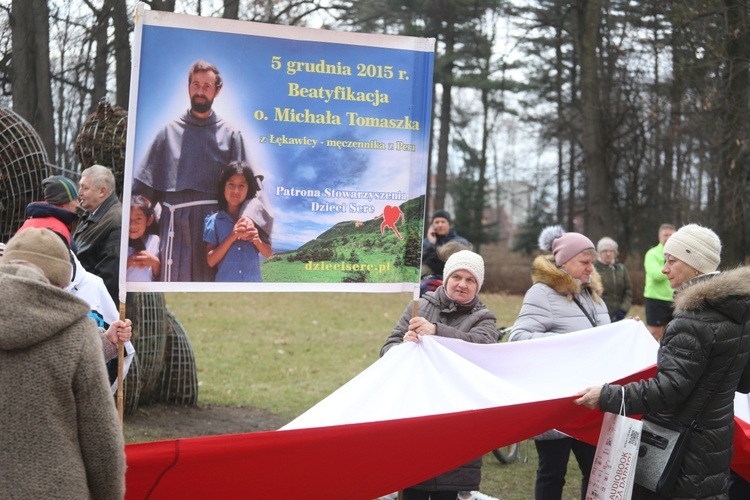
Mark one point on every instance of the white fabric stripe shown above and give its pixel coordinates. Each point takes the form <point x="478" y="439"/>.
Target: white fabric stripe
<point x="440" y="375"/>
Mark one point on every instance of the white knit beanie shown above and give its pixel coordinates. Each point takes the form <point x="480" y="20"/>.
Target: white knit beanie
<point x="45" y="249"/>
<point x="696" y="246"/>
<point x="468" y="261"/>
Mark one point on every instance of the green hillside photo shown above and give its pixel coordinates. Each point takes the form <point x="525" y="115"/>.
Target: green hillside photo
<point x="356" y="252"/>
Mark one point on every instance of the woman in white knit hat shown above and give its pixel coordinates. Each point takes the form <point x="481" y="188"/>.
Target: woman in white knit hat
<point x="453" y="310"/>
<point x="565" y="297"/>
<point x="703" y="359"/>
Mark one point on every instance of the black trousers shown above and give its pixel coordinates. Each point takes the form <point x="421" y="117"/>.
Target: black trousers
<point x="739" y="488"/>
<point x="412" y="494"/>
<point x="553" y="465"/>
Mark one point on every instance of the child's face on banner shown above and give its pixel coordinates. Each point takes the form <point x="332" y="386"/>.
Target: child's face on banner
<point x="235" y="190"/>
<point x="138" y="223"/>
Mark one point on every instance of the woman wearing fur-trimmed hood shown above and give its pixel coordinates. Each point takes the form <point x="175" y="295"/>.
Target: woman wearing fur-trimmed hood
<point x="565" y="297"/>
<point x="566" y="292"/>
<point x="703" y="360"/>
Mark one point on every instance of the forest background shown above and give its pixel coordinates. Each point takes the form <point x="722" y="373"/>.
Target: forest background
<point x="618" y="116"/>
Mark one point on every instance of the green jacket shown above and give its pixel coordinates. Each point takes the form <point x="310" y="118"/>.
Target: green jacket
<point x="618" y="291"/>
<point x="657" y="284"/>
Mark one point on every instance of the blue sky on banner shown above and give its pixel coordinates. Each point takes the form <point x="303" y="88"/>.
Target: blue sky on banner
<point x="263" y="83"/>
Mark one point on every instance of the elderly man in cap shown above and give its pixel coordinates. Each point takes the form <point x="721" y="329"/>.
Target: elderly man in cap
<point x="61" y="435"/>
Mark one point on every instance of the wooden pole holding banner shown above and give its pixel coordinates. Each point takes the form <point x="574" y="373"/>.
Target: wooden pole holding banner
<point x="120" y="369"/>
<point x="414" y="314"/>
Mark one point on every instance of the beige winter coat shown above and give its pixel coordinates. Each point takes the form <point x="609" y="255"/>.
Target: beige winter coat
<point x="61" y="436"/>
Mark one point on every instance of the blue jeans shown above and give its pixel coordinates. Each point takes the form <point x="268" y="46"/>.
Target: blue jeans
<point x="553" y="465"/>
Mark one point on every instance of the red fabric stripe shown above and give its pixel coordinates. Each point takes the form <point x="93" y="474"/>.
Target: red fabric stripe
<point x="741" y="460"/>
<point x="349" y="461"/>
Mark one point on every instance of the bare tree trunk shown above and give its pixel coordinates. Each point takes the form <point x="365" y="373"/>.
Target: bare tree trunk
<point x="573" y="147"/>
<point x="441" y="174"/>
<point x="31" y="81"/>
<point x="732" y="174"/>
<point x="231" y="9"/>
<point x="481" y="191"/>
<point x="671" y="200"/>
<point x="560" y="128"/>
<point x="598" y="207"/>
<point x="163" y="5"/>
<point x="121" y="47"/>
<point x="100" y="58"/>
<point x="428" y="195"/>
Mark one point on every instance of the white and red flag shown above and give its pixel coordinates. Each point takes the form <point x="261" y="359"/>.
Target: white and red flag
<point x="420" y="410"/>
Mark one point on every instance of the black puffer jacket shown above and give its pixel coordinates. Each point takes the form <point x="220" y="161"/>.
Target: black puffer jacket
<point x="708" y="338"/>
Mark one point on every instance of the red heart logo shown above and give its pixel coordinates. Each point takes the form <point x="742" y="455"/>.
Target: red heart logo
<point x="391" y="215"/>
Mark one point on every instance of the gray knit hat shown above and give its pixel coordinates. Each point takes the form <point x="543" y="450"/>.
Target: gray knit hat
<point x="45" y="249"/>
<point x="468" y="261"/>
<point x="59" y="190"/>
<point x="696" y="246"/>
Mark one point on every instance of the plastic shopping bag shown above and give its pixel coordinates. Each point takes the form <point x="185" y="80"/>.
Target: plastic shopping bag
<point x="613" y="472"/>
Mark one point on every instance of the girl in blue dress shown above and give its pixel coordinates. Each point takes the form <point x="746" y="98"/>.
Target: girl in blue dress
<point x="234" y="243"/>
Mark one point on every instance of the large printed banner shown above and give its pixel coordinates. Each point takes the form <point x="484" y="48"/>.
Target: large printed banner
<point x="273" y="158"/>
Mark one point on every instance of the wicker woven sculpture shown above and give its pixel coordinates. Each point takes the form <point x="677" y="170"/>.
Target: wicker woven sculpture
<point x="23" y="166"/>
<point x="164" y="370"/>
<point x="148" y="313"/>
<point x="102" y="140"/>
<point x="179" y="378"/>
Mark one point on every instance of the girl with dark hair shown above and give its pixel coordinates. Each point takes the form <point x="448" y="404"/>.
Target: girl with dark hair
<point x="143" y="243"/>
<point x="234" y="243"/>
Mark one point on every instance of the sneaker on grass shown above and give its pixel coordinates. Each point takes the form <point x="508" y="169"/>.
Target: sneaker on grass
<point x="474" y="495"/>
